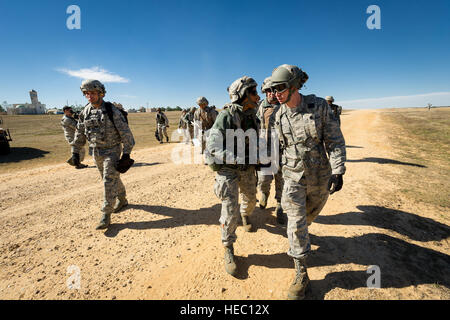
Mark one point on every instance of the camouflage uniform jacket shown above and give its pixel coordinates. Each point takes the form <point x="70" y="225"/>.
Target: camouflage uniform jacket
<point x="96" y="127"/>
<point x="206" y="117"/>
<point x="337" y="111"/>
<point x="266" y="115"/>
<point x="161" y="119"/>
<point x="69" y="126"/>
<point x="188" y="118"/>
<point x="232" y="117"/>
<point x="307" y="133"/>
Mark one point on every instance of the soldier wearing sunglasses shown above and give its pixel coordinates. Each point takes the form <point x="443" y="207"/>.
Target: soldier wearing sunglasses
<point x="266" y="114"/>
<point x="313" y="163"/>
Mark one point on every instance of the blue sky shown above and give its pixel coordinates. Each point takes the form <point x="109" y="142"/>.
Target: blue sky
<point x="167" y="53"/>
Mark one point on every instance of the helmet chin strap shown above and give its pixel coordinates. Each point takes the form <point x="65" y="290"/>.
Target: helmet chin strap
<point x="291" y="91"/>
<point x="249" y="104"/>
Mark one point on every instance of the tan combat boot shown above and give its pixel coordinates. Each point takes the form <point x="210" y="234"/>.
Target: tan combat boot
<point x="300" y="284"/>
<point x="230" y="265"/>
<point x="263" y="201"/>
<point x="120" y="203"/>
<point x="281" y="217"/>
<point x="104" y="222"/>
<point x="246" y="223"/>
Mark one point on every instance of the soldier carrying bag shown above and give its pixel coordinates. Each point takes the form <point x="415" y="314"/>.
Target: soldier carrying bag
<point x="125" y="162"/>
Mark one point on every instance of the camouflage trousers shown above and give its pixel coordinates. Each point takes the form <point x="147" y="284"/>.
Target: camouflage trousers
<point x="264" y="181"/>
<point x="106" y="159"/>
<point x="303" y="201"/>
<point x="230" y="184"/>
<point x="162" y="129"/>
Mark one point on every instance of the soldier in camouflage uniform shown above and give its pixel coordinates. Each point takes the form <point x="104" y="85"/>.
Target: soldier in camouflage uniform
<point x="106" y="138"/>
<point x="266" y="114"/>
<point x="183" y="127"/>
<point x="162" y="123"/>
<point x="69" y="125"/>
<point x="189" y="120"/>
<point x="204" y="119"/>
<point x="308" y="130"/>
<point x="235" y="177"/>
<point x="336" y="109"/>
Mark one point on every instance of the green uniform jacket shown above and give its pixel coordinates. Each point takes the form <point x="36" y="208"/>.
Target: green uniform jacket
<point x="232" y="117"/>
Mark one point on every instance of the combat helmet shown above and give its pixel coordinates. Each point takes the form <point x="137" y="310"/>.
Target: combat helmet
<point x="329" y="98"/>
<point x="291" y="75"/>
<point x="202" y="100"/>
<point x="237" y="89"/>
<point x="267" y="83"/>
<point x="192" y="109"/>
<point x="92" y="85"/>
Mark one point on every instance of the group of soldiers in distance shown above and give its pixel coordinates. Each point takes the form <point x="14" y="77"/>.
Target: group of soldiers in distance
<point x="305" y="129"/>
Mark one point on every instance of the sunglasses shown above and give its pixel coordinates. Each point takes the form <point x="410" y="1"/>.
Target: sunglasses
<point x="280" y="88"/>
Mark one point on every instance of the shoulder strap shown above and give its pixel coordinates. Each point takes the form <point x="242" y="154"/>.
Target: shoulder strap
<point x="109" y="111"/>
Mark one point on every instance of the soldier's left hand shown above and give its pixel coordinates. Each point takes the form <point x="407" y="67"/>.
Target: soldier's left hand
<point x="335" y="183"/>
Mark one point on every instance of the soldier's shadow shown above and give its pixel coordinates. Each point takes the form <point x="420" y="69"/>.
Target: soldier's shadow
<point x="387" y="161"/>
<point x="402" y="264"/>
<point x="176" y="218"/>
<point x="22" y="153"/>
<point x="411" y="225"/>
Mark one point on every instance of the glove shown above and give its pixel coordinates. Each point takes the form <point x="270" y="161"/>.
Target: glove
<point x="124" y="163"/>
<point x="75" y="160"/>
<point x="335" y="183"/>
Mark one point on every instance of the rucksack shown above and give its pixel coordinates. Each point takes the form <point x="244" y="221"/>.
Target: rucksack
<point x="109" y="111"/>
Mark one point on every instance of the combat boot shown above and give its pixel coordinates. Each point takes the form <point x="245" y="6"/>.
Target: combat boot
<point x="81" y="166"/>
<point x="300" y="284"/>
<point x="104" y="222"/>
<point x="230" y="265"/>
<point x="120" y="203"/>
<point x="263" y="201"/>
<point x="246" y="223"/>
<point x="281" y="217"/>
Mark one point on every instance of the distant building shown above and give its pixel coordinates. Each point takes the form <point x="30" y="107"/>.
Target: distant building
<point x="26" y="108"/>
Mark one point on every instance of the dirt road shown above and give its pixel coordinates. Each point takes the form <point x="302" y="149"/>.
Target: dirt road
<point x="166" y="245"/>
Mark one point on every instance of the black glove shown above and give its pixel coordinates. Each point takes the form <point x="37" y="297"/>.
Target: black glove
<point x="75" y="160"/>
<point x="335" y="183"/>
<point x="124" y="163"/>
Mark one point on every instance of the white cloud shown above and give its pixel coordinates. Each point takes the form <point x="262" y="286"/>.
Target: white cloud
<point x="417" y="100"/>
<point x="96" y="73"/>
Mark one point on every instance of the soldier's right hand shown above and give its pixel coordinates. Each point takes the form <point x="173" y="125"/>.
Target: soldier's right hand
<point x="335" y="183"/>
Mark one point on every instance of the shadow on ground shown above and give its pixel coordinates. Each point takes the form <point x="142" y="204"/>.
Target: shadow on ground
<point x="408" y="224"/>
<point x="176" y="218"/>
<point x="402" y="264"/>
<point x="143" y="164"/>
<point x="387" y="161"/>
<point x="21" y="154"/>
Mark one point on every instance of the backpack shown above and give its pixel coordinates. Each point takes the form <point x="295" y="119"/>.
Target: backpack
<point x="109" y="111"/>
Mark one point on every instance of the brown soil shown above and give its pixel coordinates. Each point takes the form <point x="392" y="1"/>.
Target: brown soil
<point x="166" y="244"/>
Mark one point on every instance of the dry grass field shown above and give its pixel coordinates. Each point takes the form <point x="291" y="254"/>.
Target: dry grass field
<point x="39" y="139"/>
